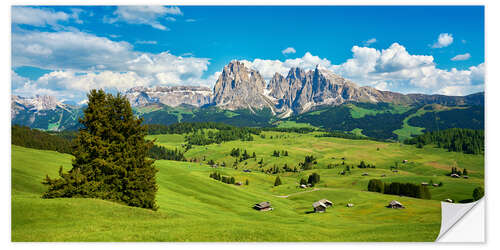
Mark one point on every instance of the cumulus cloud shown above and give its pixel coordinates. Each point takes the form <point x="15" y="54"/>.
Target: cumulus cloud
<point x="392" y="69"/>
<point x="80" y="61"/>
<point x="289" y="50"/>
<point x="444" y="40"/>
<point x="146" y="15"/>
<point x="42" y="17"/>
<point x="268" y="68"/>
<point x="462" y="57"/>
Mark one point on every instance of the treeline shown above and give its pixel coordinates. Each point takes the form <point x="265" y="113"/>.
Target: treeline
<point x="200" y="137"/>
<point x="300" y="130"/>
<point x="161" y="153"/>
<point x="468" y="141"/>
<point x="32" y="138"/>
<point x="396" y="188"/>
<point x="191" y="127"/>
<point x="345" y="135"/>
<point x="62" y="142"/>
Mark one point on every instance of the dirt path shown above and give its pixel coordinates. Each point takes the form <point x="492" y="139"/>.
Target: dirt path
<point x="286" y="196"/>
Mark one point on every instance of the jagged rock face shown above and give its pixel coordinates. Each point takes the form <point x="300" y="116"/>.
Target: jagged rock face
<point x="171" y="96"/>
<point x="300" y="91"/>
<point x="240" y="88"/>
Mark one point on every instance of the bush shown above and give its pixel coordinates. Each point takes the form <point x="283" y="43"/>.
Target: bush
<point x="478" y="193"/>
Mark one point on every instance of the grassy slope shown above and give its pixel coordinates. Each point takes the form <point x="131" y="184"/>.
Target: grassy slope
<point x="194" y="207"/>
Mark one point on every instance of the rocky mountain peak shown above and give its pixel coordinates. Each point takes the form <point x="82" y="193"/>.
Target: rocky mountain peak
<point x="239" y="87"/>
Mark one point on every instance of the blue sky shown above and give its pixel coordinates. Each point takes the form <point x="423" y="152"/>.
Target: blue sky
<point x="65" y="51"/>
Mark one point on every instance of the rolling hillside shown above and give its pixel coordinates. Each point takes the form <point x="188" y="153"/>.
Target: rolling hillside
<point x="194" y="207"/>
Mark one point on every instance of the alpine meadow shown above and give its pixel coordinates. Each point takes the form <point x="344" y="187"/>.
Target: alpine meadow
<point x="173" y="134"/>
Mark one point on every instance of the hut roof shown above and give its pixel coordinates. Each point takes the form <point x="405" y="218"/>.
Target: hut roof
<point x="319" y="204"/>
<point x="326" y="202"/>
<point x="263" y="204"/>
<point x="395" y="203"/>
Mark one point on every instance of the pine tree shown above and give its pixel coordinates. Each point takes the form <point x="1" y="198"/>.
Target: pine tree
<point x="277" y="182"/>
<point x="110" y="156"/>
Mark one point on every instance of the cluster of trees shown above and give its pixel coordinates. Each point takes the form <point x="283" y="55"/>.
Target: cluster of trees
<point x="236" y="152"/>
<point x="313" y="179"/>
<point x="161" y="153"/>
<point x="32" y="138"/>
<point x="309" y="160"/>
<point x="200" y="137"/>
<point x="396" y="188"/>
<point x="276" y="170"/>
<point x="277" y="153"/>
<point x="300" y="130"/>
<point x="362" y="164"/>
<point x="469" y="141"/>
<point x="457" y="171"/>
<point x="110" y="156"/>
<point x="223" y="178"/>
<point x="345" y="135"/>
<point x="190" y="127"/>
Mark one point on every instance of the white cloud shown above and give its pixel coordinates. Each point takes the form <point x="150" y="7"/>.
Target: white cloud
<point x="462" y="57"/>
<point x="382" y="86"/>
<point x="147" y="15"/>
<point x="80" y="61"/>
<point x="67" y="50"/>
<point x="370" y="41"/>
<point x="37" y="17"/>
<point x="392" y="69"/>
<point x="190" y="20"/>
<point x="289" y="50"/>
<point x="444" y="40"/>
<point x="268" y="68"/>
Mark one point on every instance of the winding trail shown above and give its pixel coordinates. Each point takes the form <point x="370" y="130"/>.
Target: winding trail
<point x="308" y="191"/>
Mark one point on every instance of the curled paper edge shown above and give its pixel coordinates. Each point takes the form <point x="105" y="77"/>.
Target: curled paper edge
<point x="451" y="214"/>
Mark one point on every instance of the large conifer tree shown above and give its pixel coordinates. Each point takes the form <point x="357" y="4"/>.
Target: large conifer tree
<point x="110" y="156"/>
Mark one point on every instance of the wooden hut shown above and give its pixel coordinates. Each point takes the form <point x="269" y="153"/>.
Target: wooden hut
<point x="395" y="204"/>
<point x="319" y="207"/>
<point x="263" y="206"/>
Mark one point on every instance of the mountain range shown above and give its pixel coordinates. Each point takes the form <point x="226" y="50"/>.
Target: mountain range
<point x="241" y="91"/>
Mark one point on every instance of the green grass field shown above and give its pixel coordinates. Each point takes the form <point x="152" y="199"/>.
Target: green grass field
<point x="194" y="207"/>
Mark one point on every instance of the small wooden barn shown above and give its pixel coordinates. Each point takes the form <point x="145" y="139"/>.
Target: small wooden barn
<point x="395" y="204"/>
<point x="319" y="207"/>
<point x="263" y="206"/>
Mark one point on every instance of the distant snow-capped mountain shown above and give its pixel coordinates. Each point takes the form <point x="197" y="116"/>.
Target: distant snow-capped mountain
<point x="170" y="96"/>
